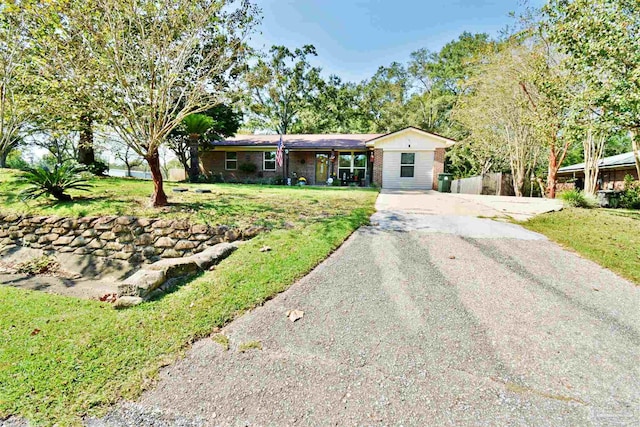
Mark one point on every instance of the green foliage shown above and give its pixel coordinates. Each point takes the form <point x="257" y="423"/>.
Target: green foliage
<point x="578" y="199"/>
<point x="54" y="182"/>
<point x="281" y="86"/>
<point x="40" y="265"/>
<point x="247" y="167"/>
<point x="98" y="168"/>
<point x="630" y="197"/>
<point x="197" y="124"/>
<point x="15" y="161"/>
<point x="250" y="345"/>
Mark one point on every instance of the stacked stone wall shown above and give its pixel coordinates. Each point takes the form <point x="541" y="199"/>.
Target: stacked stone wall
<point x="129" y="238"/>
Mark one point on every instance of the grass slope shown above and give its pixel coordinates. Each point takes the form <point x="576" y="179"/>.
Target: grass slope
<point x="609" y="237"/>
<point x="228" y="204"/>
<point x="62" y="358"/>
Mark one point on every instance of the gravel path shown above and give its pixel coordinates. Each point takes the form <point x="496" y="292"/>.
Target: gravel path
<point x="421" y="323"/>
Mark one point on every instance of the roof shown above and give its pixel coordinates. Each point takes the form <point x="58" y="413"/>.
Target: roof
<point x="620" y="161"/>
<point x="358" y="141"/>
<point x="329" y="141"/>
<point x="441" y="138"/>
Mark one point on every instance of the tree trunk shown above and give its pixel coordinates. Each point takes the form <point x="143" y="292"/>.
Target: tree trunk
<point x="194" y="168"/>
<point x="634" y="146"/>
<point x="3" y="159"/>
<point x="86" y="155"/>
<point x="128" y="170"/>
<point x="159" y="198"/>
<point x="552" y="178"/>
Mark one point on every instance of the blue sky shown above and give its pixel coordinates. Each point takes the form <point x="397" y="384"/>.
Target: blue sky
<point x="355" y="37"/>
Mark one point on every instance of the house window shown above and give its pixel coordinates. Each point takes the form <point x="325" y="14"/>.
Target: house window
<point x="352" y="166"/>
<point x="231" y="161"/>
<point x="269" y="161"/>
<point x="407" y="165"/>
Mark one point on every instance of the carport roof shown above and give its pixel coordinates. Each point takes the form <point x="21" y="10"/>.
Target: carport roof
<point x="620" y="161"/>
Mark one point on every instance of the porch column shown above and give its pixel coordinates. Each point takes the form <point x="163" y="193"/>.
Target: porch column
<point x="438" y="166"/>
<point x="377" y="166"/>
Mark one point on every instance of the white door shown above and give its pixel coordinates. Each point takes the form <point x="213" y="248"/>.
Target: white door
<point x="407" y="170"/>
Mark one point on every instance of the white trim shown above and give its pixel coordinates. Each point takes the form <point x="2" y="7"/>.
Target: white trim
<point x="227" y="160"/>
<point x="264" y="161"/>
<point x="446" y="141"/>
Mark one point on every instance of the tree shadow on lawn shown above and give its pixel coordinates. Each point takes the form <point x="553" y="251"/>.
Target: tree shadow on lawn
<point x="625" y="214"/>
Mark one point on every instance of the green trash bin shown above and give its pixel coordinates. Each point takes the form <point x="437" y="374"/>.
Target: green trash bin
<point x="444" y="182"/>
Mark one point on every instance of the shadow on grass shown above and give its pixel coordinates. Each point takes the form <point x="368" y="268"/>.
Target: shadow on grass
<point x="625" y="214"/>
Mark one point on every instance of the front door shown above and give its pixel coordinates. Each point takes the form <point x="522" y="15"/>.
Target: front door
<point x="322" y="168"/>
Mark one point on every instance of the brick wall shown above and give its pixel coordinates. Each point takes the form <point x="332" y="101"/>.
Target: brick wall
<point x="213" y="163"/>
<point x="377" y="166"/>
<point x="438" y="165"/>
<point x="611" y="179"/>
<point x="303" y="163"/>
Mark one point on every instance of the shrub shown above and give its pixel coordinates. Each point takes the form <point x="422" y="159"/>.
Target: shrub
<point x="98" y="168"/>
<point x="41" y="265"/>
<point x="54" y="182"/>
<point x="248" y="167"/>
<point x="15" y="161"/>
<point x="630" y="197"/>
<point x="578" y="199"/>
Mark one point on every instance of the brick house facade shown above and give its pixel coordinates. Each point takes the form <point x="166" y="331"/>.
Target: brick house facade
<point x="407" y="159"/>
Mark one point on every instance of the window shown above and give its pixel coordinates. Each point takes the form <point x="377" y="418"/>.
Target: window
<point x="231" y="161"/>
<point x="352" y="166"/>
<point x="407" y="165"/>
<point x="269" y="161"/>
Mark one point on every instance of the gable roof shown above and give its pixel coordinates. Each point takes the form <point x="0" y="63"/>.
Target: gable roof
<point x="620" y="161"/>
<point x="448" y="142"/>
<point x="317" y="141"/>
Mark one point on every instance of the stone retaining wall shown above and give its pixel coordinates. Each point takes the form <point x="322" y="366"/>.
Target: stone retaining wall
<point x="121" y="237"/>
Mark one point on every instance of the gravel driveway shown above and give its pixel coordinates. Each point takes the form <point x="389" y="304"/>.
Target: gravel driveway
<point x="426" y="320"/>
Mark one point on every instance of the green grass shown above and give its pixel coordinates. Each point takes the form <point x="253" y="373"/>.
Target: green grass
<point x="607" y="236"/>
<point x="87" y="356"/>
<point x="228" y="204"/>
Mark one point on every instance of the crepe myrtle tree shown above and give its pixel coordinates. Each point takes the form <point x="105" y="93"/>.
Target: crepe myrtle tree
<point x="159" y="61"/>
<point x="601" y="40"/>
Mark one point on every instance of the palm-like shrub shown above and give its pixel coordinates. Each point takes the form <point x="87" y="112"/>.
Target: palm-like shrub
<point x="196" y="125"/>
<point x="55" y="182"/>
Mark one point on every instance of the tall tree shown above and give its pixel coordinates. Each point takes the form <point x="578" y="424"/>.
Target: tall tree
<point x="15" y="111"/>
<point x="385" y="97"/>
<point x="550" y="94"/>
<point x="495" y="112"/>
<point x="281" y="86"/>
<point x="439" y="78"/>
<point x="601" y="39"/>
<point x="66" y="72"/>
<point x="156" y="62"/>
<point x="334" y="109"/>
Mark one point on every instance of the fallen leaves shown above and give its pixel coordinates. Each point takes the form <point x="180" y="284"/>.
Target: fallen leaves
<point x="295" y="315"/>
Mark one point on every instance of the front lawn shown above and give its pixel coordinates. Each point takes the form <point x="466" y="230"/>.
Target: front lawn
<point x="62" y="358"/>
<point x="607" y="236"/>
<point x="228" y="204"/>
